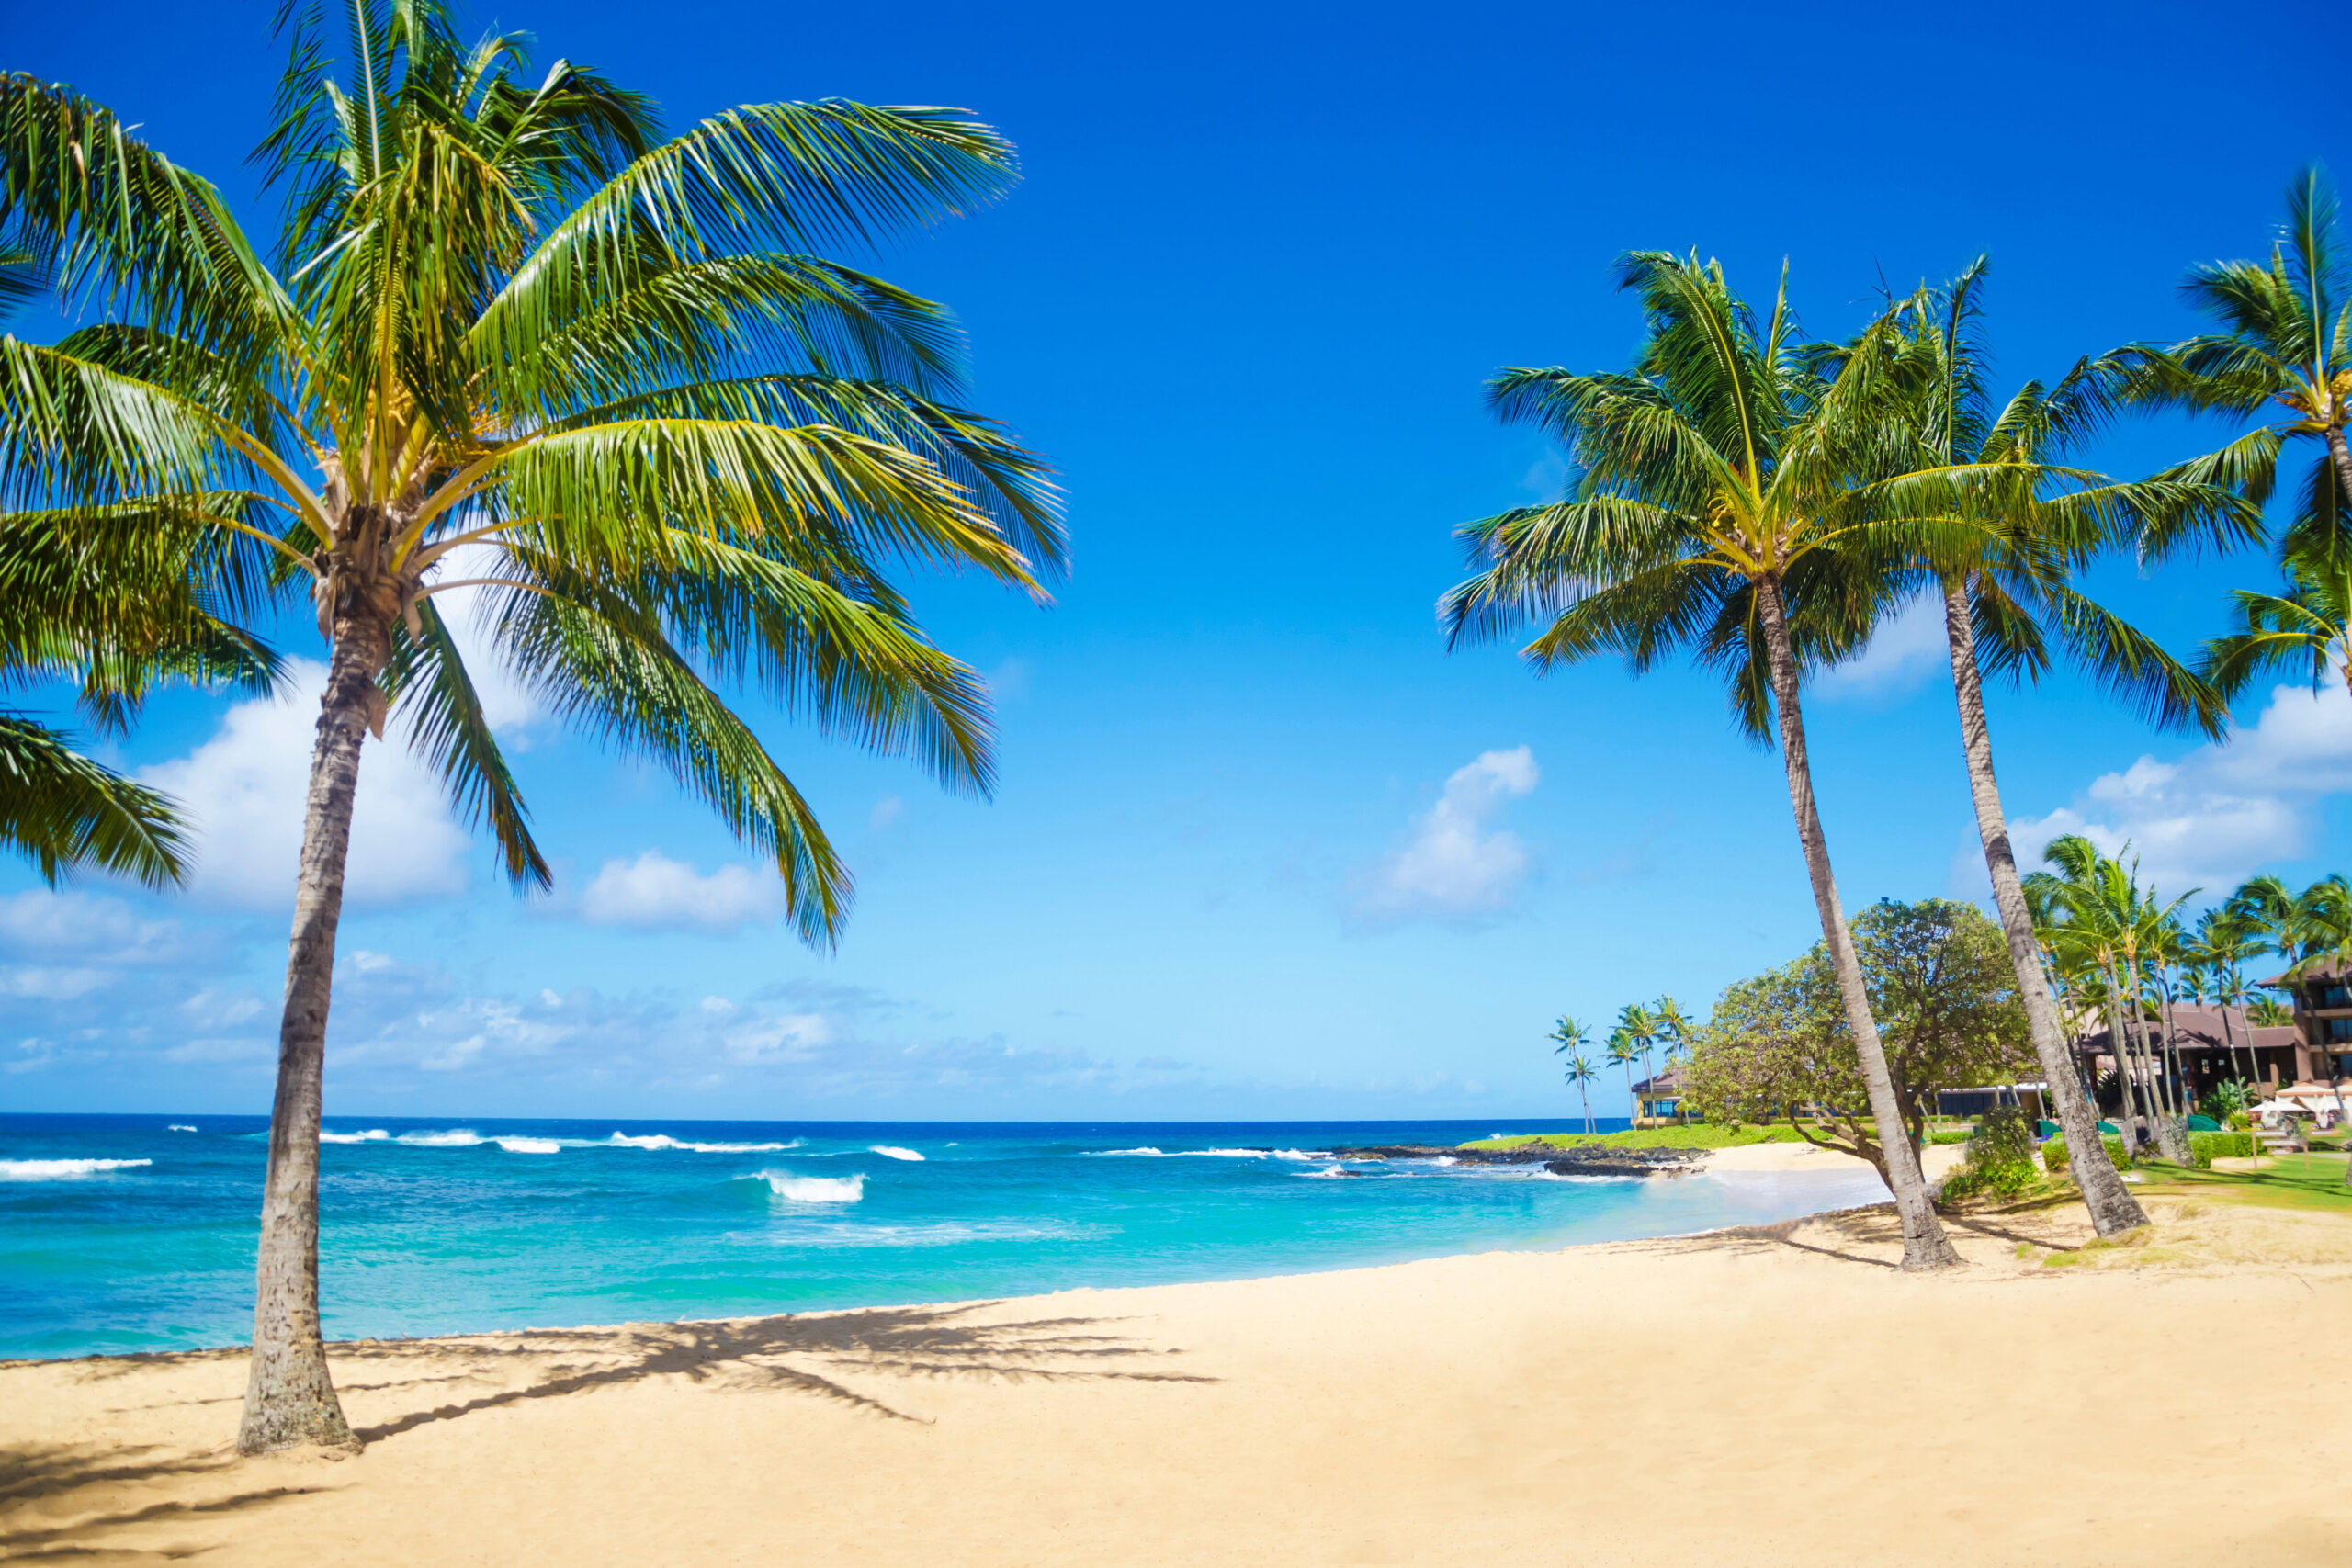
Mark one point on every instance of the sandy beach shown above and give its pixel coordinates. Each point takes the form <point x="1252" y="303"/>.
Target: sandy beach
<point x="1758" y="1396"/>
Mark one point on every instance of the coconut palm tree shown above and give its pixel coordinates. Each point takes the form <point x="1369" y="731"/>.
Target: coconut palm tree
<point x="2002" y="575"/>
<point x="1718" y="504"/>
<point x="2287" y="342"/>
<point x="1580" y="1072"/>
<point x="113" y="624"/>
<point x="1622" y="1051"/>
<point x="2222" y="943"/>
<point x="1642" y="1028"/>
<point x="512" y="339"/>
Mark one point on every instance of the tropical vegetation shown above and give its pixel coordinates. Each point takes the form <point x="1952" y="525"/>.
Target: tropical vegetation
<point x="516" y="338"/>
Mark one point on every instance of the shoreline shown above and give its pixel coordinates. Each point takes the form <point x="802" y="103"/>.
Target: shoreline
<point x="1758" y="1159"/>
<point x="1446" y="1410"/>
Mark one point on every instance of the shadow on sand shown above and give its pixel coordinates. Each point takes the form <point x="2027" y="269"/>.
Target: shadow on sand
<point x="88" y="1502"/>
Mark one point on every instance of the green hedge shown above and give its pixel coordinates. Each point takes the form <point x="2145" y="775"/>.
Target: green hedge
<point x="2054" y="1154"/>
<point x="2207" y="1147"/>
<point x="2204" y="1148"/>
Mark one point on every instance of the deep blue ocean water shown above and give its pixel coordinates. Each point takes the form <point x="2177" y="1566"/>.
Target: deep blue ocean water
<point x="136" y="1233"/>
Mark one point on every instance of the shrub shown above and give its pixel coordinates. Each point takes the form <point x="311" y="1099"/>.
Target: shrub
<point x="2000" y="1156"/>
<point x="2225" y="1100"/>
<point x="2054" y="1154"/>
<point x="2204" y="1148"/>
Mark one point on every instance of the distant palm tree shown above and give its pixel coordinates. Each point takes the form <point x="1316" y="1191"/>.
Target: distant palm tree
<point x="1624" y="1051"/>
<point x="2269" y="1012"/>
<point x="524" y="343"/>
<point x="1580" y="1072"/>
<point x="1721" y="504"/>
<point x="1641" y="1027"/>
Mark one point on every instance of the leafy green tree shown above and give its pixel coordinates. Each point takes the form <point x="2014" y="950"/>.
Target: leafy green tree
<point x="1723" y="502"/>
<point x="524" y="343"/>
<point x="1940" y="981"/>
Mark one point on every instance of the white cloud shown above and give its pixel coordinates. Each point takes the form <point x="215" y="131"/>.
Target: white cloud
<point x="2217" y="815"/>
<point x="246" y="790"/>
<point x="1905" y="651"/>
<point x="1452" y="866"/>
<point x="656" y="893"/>
<point x="43" y="921"/>
<point x="887" y="810"/>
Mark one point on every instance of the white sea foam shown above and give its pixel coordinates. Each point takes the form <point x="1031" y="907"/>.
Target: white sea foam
<point x="373" y="1135"/>
<point x="812" y="1189"/>
<point x="63" y="1170"/>
<point x="895" y="1152"/>
<point x="1328" y="1173"/>
<point x="179" y="1127"/>
<point x="1445" y="1160"/>
<point x="1183" y="1154"/>
<point x="455" y="1138"/>
<point x="663" y="1141"/>
<point x="528" y="1145"/>
<point x="1300" y="1155"/>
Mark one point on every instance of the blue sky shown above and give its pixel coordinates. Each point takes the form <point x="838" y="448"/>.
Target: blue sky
<point x="1261" y="847"/>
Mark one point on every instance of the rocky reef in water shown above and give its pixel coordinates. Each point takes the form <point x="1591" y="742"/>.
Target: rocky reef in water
<point x="1571" y="1159"/>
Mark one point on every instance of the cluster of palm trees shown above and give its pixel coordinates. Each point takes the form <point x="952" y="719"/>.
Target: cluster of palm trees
<point x="1641" y="1029"/>
<point x="514" y="339"/>
<point x="2116" y="951"/>
<point x="1767" y="501"/>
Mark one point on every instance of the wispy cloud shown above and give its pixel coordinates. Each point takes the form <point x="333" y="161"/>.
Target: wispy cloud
<point x="1908" y="652"/>
<point x="1455" y="866"/>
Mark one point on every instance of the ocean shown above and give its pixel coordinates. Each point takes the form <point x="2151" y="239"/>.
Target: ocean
<point x="122" y="1233"/>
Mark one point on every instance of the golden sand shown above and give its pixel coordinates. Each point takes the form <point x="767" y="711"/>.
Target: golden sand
<point x="1767" y="1397"/>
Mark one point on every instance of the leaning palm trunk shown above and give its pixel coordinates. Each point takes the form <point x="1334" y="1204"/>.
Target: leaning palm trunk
<point x="2112" y="1207"/>
<point x="290" y="1399"/>
<point x="2126" y="1068"/>
<point x="1925" y="1244"/>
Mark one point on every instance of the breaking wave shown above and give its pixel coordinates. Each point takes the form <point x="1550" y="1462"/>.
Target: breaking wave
<point x="1204" y="1154"/>
<point x="455" y="1138"/>
<point x="895" y="1152"/>
<point x="529" y="1146"/>
<point x="663" y="1141"/>
<point x="373" y="1135"/>
<point x="179" y="1127"/>
<point x="811" y="1188"/>
<point x="63" y="1170"/>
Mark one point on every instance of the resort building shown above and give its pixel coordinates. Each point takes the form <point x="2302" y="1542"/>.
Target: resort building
<point x="2323" y="1001"/>
<point x="2215" y="1043"/>
<point x="1657" y="1100"/>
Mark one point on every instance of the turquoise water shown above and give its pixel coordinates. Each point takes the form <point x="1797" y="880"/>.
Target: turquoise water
<point x="136" y="1233"/>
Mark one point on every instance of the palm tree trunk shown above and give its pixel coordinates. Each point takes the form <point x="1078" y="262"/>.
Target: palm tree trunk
<point x="290" y="1399"/>
<point x="2113" y="1208"/>
<point x="2127" y="1064"/>
<point x="1925" y="1245"/>
<point x="2341" y="454"/>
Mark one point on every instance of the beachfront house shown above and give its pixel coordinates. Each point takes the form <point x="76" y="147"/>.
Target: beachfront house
<point x="1659" y="1101"/>
<point x="1967" y="1104"/>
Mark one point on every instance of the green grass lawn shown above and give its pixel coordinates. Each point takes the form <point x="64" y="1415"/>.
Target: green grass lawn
<point x="1702" y="1136"/>
<point x="2297" y="1181"/>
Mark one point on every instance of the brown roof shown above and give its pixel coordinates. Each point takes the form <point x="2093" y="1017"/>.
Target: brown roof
<point x="2287" y="980"/>
<point x="1668" y="1082"/>
<point x="2202" y="1029"/>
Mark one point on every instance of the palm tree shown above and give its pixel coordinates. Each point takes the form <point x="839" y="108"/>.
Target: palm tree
<point x="531" y="347"/>
<point x="2305" y="629"/>
<point x="2289" y="341"/>
<point x="1717" y="505"/>
<point x="63" y="614"/>
<point x="2002" y="575"/>
<point x="1572" y="1038"/>
<point x="1624" y="1051"/>
<point x="1642" y="1029"/>
<point x="1580" y="1072"/>
<point x="2088" y="905"/>
<point x="2223" y="942"/>
<point x="1674" y="1025"/>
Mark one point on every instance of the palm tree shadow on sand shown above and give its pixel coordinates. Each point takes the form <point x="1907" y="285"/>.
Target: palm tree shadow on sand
<point x="66" y="1499"/>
